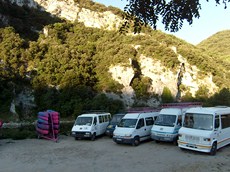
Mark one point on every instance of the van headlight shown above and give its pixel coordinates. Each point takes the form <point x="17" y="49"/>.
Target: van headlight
<point x="207" y="139"/>
<point x="128" y="135"/>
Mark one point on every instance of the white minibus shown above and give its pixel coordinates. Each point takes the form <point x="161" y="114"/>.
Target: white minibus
<point x="167" y="125"/>
<point x="205" y="129"/>
<point x="90" y="125"/>
<point x="134" y="128"/>
<point x="170" y="120"/>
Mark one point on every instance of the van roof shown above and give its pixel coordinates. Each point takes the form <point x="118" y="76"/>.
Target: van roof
<point x="209" y="110"/>
<point x="144" y="114"/>
<point x="172" y="111"/>
<point x="93" y="114"/>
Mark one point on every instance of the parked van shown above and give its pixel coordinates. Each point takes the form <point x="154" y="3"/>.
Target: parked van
<point x="205" y="129"/>
<point x="134" y="128"/>
<point x="170" y="120"/>
<point x="90" y="125"/>
<point x="167" y="125"/>
<point x="112" y="124"/>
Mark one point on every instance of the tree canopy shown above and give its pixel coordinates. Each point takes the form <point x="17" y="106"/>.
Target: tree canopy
<point x="172" y="12"/>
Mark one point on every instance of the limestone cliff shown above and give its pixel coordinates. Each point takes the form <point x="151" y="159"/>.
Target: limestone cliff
<point x="70" y="10"/>
<point x="161" y="76"/>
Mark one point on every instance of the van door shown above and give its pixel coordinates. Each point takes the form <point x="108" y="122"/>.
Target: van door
<point x="225" y="130"/>
<point x="141" y="130"/>
<point x="217" y="131"/>
<point x="95" y="125"/>
<point x="149" y="124"/>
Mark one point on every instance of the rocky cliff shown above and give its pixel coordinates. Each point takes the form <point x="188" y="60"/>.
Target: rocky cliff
<point x="70" y="10"/>
<point x="161" y="76"/>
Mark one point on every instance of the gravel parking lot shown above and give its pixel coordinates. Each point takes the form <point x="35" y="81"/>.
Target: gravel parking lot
<point x="103" y="155"/>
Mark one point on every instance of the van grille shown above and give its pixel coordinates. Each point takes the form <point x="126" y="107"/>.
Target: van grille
<point x="192" y="139"/>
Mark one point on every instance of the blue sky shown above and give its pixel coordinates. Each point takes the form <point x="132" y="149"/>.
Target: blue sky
<point x="212" y="20"/>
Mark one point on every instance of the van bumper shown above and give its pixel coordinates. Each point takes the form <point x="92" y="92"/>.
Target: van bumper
<point x="195" y="147"/>
<point x="165" y="137"/>
<point x="109" y="132"/>
<point x="81" y="134"/>
<point x="123" y="140"/>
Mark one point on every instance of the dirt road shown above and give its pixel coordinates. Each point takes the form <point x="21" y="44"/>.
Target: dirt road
<point x="103" y="155"/>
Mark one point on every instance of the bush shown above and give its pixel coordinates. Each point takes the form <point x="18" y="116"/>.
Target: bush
<point x="166" y="95"/>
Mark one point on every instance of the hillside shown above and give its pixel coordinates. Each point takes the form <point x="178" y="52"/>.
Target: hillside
<point x="218" y="44"/>
<point x="73" y="66"/>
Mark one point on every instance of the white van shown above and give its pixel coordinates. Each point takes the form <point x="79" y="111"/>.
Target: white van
<point x="90" y="125"/>
<point x="134" y="128"/>
<point x="170" y="120"/>
<point x="205" y="129"/>
<point x="167" y="125"/>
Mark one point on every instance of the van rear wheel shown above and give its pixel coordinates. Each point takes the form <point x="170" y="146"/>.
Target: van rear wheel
<point x="136" y="141"/>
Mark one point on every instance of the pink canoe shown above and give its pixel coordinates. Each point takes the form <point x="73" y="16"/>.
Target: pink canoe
<point x="42" y="131"/>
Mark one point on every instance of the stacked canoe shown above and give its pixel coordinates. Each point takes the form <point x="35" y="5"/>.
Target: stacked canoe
<point x="48" y="124"/>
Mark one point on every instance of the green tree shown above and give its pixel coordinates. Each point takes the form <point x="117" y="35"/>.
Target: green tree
<point x="13" y="63"/>
<point x="202" y="94"/>
<point x="166" y="96"/>
<point x="221" y="98"/>
<point x="173" y="13"/>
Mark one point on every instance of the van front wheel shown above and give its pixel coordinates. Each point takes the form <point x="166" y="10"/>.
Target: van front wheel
<point x="136" y="141"/>
<point x="213" y="149"/>
<point x="93" y="137"/>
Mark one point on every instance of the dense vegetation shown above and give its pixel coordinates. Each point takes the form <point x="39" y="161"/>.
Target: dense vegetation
<point x="218" y="44"/>
<point x="67" y="68"/>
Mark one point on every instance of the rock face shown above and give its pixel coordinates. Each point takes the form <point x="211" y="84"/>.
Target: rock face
<point x="71" y="11"/>
<point x="161" y="76"/>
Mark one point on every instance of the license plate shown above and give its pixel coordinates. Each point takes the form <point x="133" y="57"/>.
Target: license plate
<point x="191" y="145"/>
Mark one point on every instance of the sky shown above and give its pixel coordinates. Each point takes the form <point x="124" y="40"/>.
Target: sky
<point x="212" y="20"/>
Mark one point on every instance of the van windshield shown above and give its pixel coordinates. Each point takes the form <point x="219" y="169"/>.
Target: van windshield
<point x="83" y="121"/>
<point x="198" y="121"/>
<point x="116" y="119"/>
<point x="127" y="123"/>
<point x="165" y="120"/>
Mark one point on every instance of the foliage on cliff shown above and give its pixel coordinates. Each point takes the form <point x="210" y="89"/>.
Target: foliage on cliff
<point x="67" y="66"/>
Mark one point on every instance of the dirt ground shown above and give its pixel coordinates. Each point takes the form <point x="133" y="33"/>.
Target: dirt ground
<point x="103" y="155"/>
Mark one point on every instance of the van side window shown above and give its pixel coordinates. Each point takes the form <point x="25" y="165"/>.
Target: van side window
<point x="105" y="118"/>
<point x="179" y="120"/>
<point x="140" y="123"/>
<point x="100" y="119"/>
<point x="217" y="122"/>
<point x="149" y="121"/>
<point x="95" y="120"/>
<point x="225" y="120"/>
